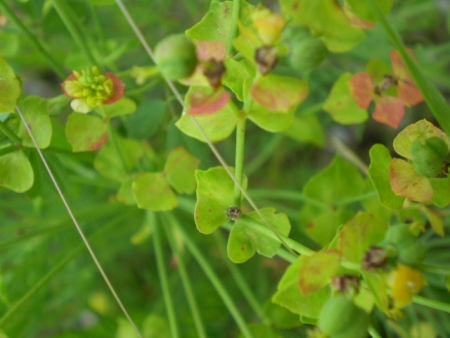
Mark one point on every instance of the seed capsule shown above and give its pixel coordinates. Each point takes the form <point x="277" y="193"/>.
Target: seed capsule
<point x="341" y="318"/>
<point x="429" y="156"/>
<point x="176" y="57"/>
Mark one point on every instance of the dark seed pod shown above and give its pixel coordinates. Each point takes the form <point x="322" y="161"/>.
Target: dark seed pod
<point x="176" y="56"/>
<point x="213" y="71"/>
<point x="234" y="213"/>
<point x="374" y="259"/>
<point x="266" y="58"/>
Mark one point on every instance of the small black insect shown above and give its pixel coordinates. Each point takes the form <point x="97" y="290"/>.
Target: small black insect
<point x="234" y="213"/>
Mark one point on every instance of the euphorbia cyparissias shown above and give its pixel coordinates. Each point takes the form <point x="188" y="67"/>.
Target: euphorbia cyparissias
<point x="89" y="88"/>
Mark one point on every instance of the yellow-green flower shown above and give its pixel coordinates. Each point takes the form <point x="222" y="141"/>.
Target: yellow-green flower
<point x="89" y="89"/>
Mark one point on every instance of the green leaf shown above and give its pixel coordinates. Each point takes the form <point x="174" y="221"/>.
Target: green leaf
<point x="279" y="93"/>
<point x="215" y="194"/>
<point x="341" y="105"/>
<point x="125" y="193"/>
<point x="9" y="87"/>
<point x="377" y="285"/>
<point x="86" y="132"/>
<point x="373" y="205"/>
<point x="236" y="75"/>
<point x="16" y="172"/>
<point x="280" y="317"/>
<point x="344" y="41"/>
<point x="155" y="327"/>
<point x="436" y="221"/>
<point x="217" y="126"/>
<point x="146" y="120"/>
<point x="117" y="166"/>
<point x="380" y="159"/>
<point x="320" y="16"/>
<point x="268" y="120"/>
<point x="180" y="170"/>
<point x="307" y="129"/>
<point x="358" y="235"/>
<point x="216" y="24"/>
<point x="316" y="270"/>
<point x="10" y="44"/>
<point x="152" y="192"/>
<point x="364" y="10"/>
<point x="324" y="224"/>
<point x="244" y="240"/>
<point x="289" y="296"/>
<point x="337" y="181"/>
<point x="3" y="334"/>
<point x="34" y="110"/>
<point x="441" y="189"/>
<point x="124" y="106"/>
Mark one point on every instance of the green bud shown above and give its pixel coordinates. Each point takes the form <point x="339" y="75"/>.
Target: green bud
<point x="306" y="52"/>
<point x="429" y="156"/>
<point x="176" y="57"/>
<point x="341" y="318"/>
<point x="398" y="233"/>
<point x="411" y="251"/>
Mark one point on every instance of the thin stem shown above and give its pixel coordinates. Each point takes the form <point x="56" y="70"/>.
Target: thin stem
<point x="239" y="279"/>
<point x="197" y="125"/>
<point x="348" y="154"/>
<point x="434" y="304"/>
<point x="239" y="161"/>
<point x="215" y="281"/>
<point x="7" y="150"/>
<point x="13" y="137"/>
<point x="162" y="273"/>
<point x="60" y="7"/>
<point x="185" y="279"/>
<point x="12" y="17"/>
<point x="77" y="226"/>
<point x="234" y="21"/>
<point x="289" y="195"/>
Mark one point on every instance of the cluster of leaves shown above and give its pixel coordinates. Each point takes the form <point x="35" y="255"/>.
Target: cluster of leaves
<point x="255" y="65"/>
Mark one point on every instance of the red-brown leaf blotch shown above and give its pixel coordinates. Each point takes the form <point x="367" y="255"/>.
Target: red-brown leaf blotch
<point x="118" y="88"/>
<point x="362" y="89"/>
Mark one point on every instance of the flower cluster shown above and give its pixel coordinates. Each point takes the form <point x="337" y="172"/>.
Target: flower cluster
<point x="89" y="89"/>
<point x="389" y="109"/>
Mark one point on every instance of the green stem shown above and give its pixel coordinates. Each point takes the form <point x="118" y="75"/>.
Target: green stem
<point x="288" y="195"/>
<point x="119" y="151"/>
<point x="215" y="281"/>
<point x="238" y="278"/>
<point x="239" y="161"/>
<point x="439" y="270"/>
<point x="373" y="333"/>
<point x="34" y="290"/>
<point x="12" y="17"/>
<point x="185" y="278"/>
<point x="63" y="13"/>
<point x="59" y="266"/>
<point x="13" y="137"/>
<point x="434" y="304"/>
<point x="234" y="27"/>
<point x="7" y="150"/>
<point x="162" y="273"/>
<point x="433" y="97"/>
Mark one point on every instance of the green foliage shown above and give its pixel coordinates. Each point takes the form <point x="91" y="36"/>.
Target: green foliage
<point x="9" y="87"/>
<point x="129" y="155"/>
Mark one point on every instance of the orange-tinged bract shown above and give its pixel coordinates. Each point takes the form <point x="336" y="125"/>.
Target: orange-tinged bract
<point x="268" y="25"/>
<point x="89" y="89"/>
